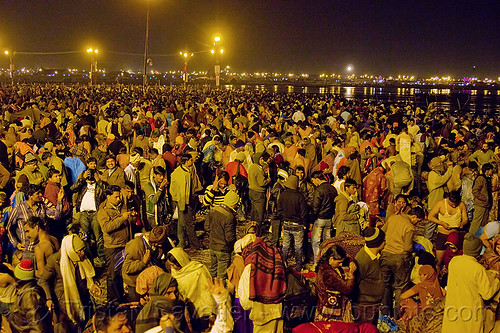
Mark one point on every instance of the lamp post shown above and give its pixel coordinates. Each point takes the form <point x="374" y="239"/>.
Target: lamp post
<point x="11" y="60"/>
<point x="217" y="51"/>
<point x="186" y="56"/>
<point x="93" y="64"/>
<point x="146" y="42"/>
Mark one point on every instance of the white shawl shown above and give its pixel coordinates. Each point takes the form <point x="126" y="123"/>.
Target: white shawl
<point x="69" y="258"/>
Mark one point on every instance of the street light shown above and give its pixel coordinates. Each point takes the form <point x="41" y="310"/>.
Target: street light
<point x="186" y="56"/>
<point x="146" y="42"/>
<point x="11" y="59"/>
<point x="93" y="63"/>
<point x="217" y="50"/>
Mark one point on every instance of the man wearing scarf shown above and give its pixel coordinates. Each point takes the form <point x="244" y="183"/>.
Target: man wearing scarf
<point x="347" y="212"/>
<point x="436" y="183"/>
<point x="67" y="279"/>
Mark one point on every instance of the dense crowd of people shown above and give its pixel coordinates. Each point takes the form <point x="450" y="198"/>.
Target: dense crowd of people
<point x="179" y="209"/>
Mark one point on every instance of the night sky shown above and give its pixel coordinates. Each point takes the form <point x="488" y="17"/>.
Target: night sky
<point x="380" y="37"/>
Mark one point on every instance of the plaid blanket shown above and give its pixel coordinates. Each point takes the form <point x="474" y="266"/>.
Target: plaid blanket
<point x="267" y="277"/>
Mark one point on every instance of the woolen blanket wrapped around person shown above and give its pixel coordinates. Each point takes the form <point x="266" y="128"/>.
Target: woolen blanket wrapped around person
<point x="267" y="277"/>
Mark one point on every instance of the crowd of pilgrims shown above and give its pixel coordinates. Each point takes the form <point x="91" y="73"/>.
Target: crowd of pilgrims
<point x="198" y="210"/>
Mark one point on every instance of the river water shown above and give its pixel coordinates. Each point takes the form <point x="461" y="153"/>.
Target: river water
<point x="473" y="100"/>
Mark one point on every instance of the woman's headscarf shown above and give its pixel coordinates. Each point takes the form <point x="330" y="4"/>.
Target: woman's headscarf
<point x="192" y="281"/>
<point x="157" y="307"/>
<point x="180" y="255"/>
<point x="453" y="240"/>
<point x="430" y="283"/>
<point x="161" y="283"/>
<point x="146" y="278"/>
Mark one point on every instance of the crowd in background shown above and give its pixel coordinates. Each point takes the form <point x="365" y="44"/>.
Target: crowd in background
<point x="179" y="209"/>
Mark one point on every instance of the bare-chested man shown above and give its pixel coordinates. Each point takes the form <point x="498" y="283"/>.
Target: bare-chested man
<point x="46" y="244"/>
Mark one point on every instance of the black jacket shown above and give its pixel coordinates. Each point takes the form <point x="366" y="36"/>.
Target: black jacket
<point x="324" y="201"/>
<point x="80" y="187"/>
<point x="307" y="190"/>
<point x="221" y="226"/>
<point x="276" y="191"/>
<point x="292" y="207"/>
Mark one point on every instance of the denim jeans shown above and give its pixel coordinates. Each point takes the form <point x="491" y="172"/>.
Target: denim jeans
<point x="89" y="224"/>
<point x="322" y="229"/>
<point x="219" y="263"/>
<point x="296" y="232"/>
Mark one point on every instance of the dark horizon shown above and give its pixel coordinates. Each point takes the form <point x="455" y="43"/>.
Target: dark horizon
<point x="423" y="38"/>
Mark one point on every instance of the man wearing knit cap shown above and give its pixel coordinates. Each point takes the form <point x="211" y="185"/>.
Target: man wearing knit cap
<point x="32" y="314"/>
<point x="292" y="211"/>
<point x="221" y="226"/>
<point x="370" y="291"/>
<point x="468" y="286"/>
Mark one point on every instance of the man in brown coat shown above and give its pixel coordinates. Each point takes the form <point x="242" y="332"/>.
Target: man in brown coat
<point x="141" y="252"/>
<point x="113" y="175"/>
<point x="115" y="221"/>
